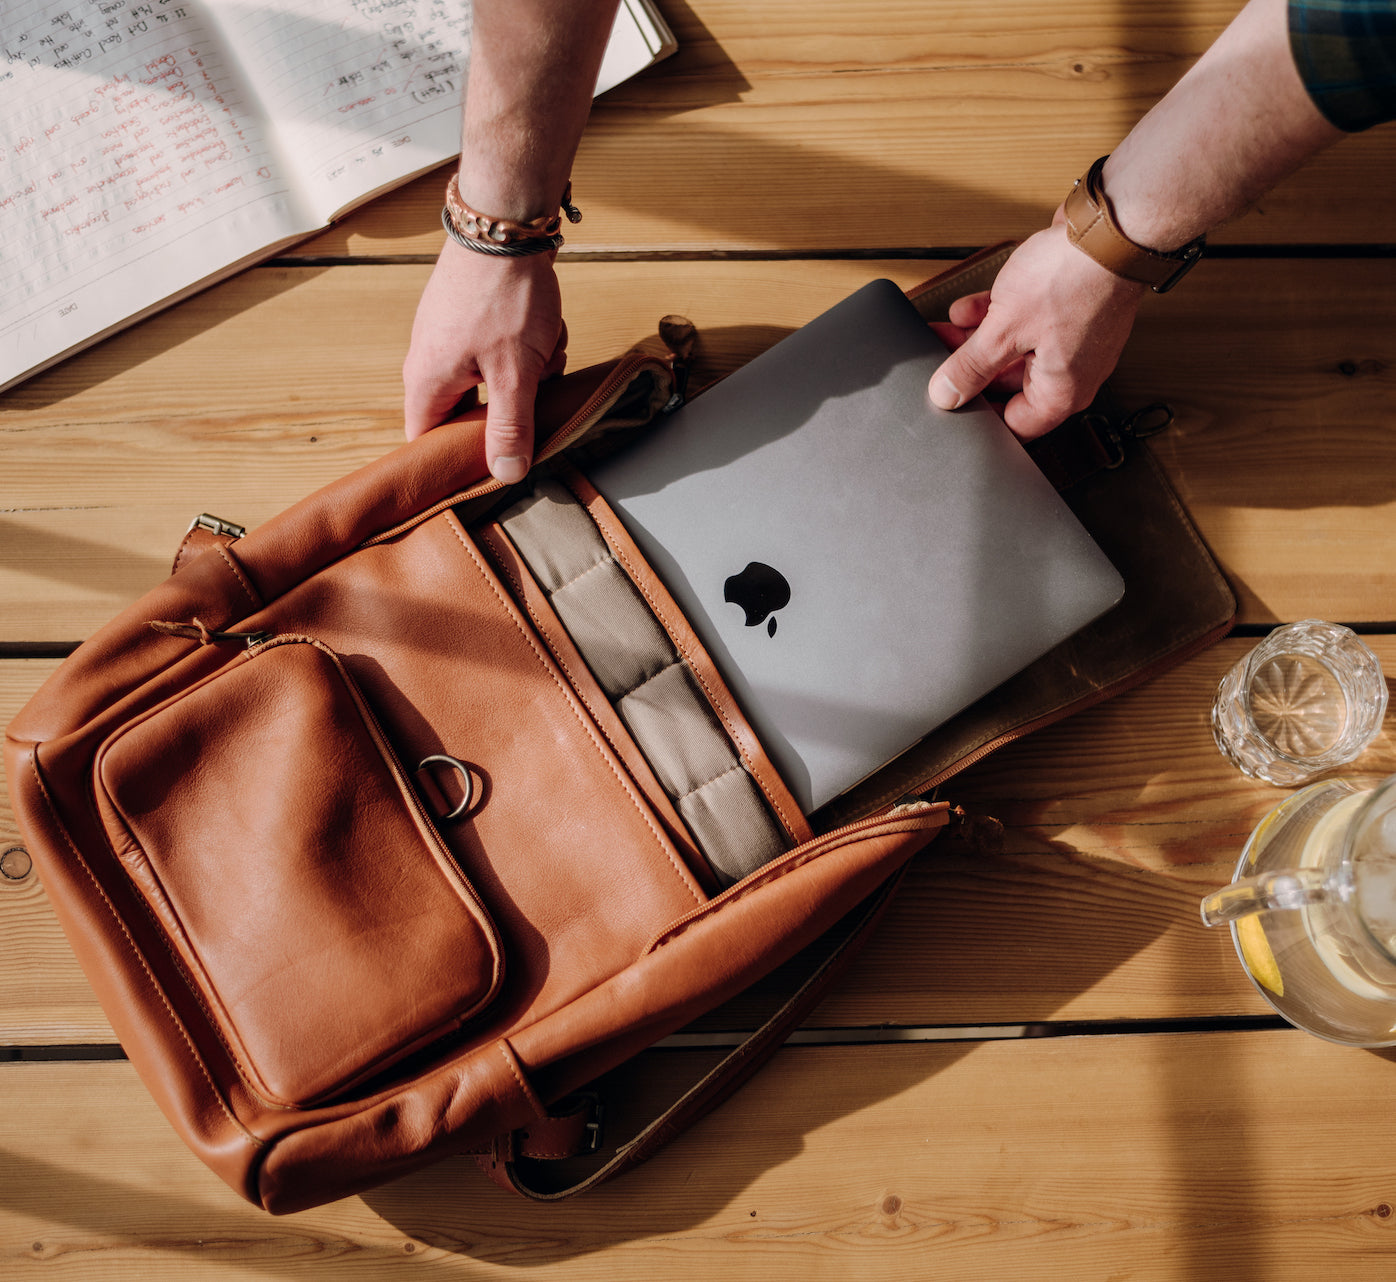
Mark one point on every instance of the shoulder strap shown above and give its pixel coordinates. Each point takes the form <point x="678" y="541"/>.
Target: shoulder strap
<point x="512" y="1165"/>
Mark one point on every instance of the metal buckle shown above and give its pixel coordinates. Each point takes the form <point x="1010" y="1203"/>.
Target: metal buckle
<point x="594" y="1127"/>
<point x="1187" y="260"/>
<point x="596" y="1124"/>
<point x="467" y="782"/>
<point x="1139" y="426"/>
<point x="1147" y="422"/>
<point x="216" y="525"/>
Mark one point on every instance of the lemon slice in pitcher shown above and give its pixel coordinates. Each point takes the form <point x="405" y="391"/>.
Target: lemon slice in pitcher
<point x="1257" y="954"/>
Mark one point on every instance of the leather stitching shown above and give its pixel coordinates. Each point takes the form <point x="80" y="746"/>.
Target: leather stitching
<point x="773" y="871"/>
<point x="240" y="577"/>
<point x="732" y="729"/>
<point x="140" y="958"/>
<point x="529" y="1094"/>
<point x="591" y="733"/>
<point x="490" y="537"/>
<point x="184" y="550"/>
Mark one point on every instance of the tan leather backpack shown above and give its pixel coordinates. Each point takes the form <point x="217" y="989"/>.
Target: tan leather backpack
<point x="380" y="838"/>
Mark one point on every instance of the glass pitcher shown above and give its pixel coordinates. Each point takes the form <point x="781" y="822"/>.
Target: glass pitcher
<point x="1312" y="910"/>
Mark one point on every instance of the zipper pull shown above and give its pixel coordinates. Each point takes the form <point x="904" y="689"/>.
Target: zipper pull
<point x="679" y="335"/>
<point x="983" y="834"/>
<point x="204" y="635"/>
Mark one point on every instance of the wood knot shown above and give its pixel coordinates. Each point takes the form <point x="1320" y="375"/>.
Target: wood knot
<point x="891" y="1204"/>
<point x="15" y="863"/>
<point x="1360" y="369"/>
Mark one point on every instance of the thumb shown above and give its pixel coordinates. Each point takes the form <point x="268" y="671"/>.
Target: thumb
<point x="426" y="406"/>
<point x="509" y="428"/>
<point x="970" y="369"/>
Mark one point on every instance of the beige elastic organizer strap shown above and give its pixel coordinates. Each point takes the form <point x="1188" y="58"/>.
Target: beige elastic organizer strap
<point x="650" y="685"/>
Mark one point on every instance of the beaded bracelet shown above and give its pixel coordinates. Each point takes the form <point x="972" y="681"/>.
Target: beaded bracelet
<point x="504" y="236"/>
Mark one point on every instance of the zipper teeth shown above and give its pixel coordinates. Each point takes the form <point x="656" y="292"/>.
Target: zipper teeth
<point x="623" y="373"/>
<point x="803" y="851"/>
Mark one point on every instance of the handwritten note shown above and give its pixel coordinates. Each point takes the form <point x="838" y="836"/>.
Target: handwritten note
<point x="372" y="92"/>
<point x="148" y="147"/>
<point x="147" y="144"/>
<point x="127" y="139"/>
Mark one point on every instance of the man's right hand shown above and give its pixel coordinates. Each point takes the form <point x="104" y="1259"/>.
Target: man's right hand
<point x="1054" y="323"/>
<point x="491" y="320"/>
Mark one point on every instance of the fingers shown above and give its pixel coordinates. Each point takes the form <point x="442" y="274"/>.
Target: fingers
<point x="969" y="312"/>
<point x="509" y="413"/>
<point x="509" y="428"/>
<point x="1041" y="405"/>
<point x="491" y="321"/>
<point x="967" y="371"/>
<point x="425" y="405"/>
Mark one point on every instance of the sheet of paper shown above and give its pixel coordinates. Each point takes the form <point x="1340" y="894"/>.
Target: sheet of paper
<point x="132" y="165"/>
<point x="364" y="92"/>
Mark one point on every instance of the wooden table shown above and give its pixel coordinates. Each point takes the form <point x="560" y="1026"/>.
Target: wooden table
<point x="1043" y="1066"/>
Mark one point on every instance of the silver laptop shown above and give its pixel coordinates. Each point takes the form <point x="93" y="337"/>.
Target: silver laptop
<point x="860" y="565"/>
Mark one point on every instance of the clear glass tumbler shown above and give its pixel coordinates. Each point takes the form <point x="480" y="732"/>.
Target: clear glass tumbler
<point x="1308" y="698"/>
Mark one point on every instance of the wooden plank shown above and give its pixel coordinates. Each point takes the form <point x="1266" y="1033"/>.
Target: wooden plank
<point x="243" y="400"/>
<point x="46" y="999"/>
<point x="805" y="127"/>
<point x="1153" y="1157"/>
<point x="1117" y="822"/>
<point x="1282" y="377"/>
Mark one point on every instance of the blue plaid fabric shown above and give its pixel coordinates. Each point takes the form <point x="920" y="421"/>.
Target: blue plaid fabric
<point x="1345" y="51"/>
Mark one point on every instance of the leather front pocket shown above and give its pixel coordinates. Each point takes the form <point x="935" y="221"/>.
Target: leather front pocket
<point x="300" y="884"/>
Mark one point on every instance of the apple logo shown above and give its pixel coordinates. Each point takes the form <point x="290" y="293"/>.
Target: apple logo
<point x="760" y="590"/>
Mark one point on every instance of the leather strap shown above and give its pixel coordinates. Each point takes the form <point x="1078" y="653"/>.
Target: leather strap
<point x="1094" y="440"/>
<point x="1092" y="228"/>
<point x="205" y="532"/>
<point x="932" y="298"/>
<point x="511" y="1167"/>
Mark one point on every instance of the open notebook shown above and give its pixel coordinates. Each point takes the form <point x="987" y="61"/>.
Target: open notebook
<point x="151" y="147"/>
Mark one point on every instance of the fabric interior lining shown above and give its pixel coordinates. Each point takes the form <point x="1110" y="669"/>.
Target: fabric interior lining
<point x="649" y="683"/>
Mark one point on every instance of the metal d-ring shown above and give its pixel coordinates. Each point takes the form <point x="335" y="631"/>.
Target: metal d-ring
<point x="466" y="781"/>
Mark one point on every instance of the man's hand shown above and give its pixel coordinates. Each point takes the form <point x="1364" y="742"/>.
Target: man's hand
<point x="1053" y="326"/>
<point x="491" y="320"/>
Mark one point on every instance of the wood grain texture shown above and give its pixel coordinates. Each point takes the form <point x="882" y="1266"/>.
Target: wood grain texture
<point x="800" y="127"/>
<point x="1116" y="822"/>
<point x="246" y="398"/>
<point x="1159" y="1159"/>
<point x="784" y="130"/>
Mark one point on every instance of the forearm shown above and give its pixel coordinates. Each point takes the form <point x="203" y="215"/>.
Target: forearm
<point x="533" y="67"/>
<point x="1237" y="122"/>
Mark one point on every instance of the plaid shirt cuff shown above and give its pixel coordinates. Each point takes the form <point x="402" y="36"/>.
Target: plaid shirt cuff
<point x="1345" y="51"/>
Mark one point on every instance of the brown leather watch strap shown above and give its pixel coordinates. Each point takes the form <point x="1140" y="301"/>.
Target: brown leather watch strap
<point x="1091" y="227"/>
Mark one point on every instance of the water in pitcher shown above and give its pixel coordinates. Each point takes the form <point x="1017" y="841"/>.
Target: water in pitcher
<point x="1313" y="910"/>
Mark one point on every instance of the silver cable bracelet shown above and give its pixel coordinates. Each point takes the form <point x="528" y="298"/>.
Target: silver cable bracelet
<point x="516" y="249"/>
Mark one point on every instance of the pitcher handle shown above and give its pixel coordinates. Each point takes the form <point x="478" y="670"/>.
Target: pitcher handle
<point x="1285" y="889"/>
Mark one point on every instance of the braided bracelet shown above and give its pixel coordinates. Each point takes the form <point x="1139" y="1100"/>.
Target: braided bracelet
<point x="504" y="236"/>
<point x="519" y="249"/>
